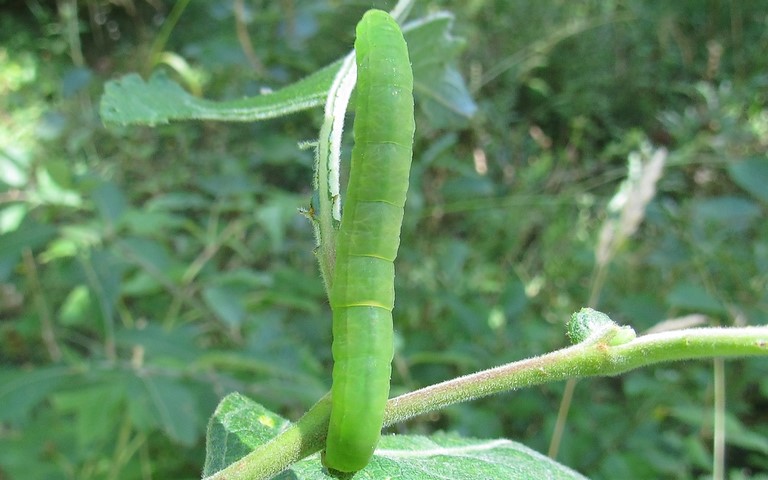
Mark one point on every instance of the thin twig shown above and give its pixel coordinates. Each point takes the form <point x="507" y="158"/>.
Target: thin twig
<point x="245" y="39"/>
<point x="44" y="311"/>
<point x="562" y="415"/>
<point x="718" y="442"/>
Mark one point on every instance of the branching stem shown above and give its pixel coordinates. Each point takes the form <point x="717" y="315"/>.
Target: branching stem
<point x="593" y="357"/>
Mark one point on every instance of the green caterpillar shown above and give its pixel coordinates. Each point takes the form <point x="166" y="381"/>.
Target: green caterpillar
<point x="362" y="293"/>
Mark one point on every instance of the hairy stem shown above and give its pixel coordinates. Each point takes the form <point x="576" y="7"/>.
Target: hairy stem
<point x="593" y="357"/>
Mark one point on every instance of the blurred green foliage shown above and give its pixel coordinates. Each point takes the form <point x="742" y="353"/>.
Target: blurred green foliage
<point x="145" y="273"/>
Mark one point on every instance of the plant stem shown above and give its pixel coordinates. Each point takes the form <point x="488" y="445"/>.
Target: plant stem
<point x="598" y="280"/>
<point x="328" y="159"/>
<point x="327" y="166"/>
<point x="562" y="415"/>
<point x="44" y="310"/>
<point x="105" y="306"/>
<point x="718" y="442"/>
<point x="583" y="360"/>
<point x="158" y="45"/>
<point x="401" y="10"/>
<point x="241" y="27"/>
<point x="586" y="359"/>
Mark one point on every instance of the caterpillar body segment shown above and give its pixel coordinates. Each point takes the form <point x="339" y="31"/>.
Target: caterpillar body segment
<point x="362" y="296"/>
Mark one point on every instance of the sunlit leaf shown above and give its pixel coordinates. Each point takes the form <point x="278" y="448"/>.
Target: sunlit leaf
<point x="439" y="88"/>
<point x="239" y="425"/>
<point x="130" y="100"/>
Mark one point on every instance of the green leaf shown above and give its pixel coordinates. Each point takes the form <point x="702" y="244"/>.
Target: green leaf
<point x="176" y="408"/>
<point x="239" y="425"/>
<point x="30" y="234"/>
<point x="21" y="390"/>
<point x="736" y="433"/>
<point x="513" y="298"/>
<point x="442" y="456"/>
<point x="751" y="174"/>
<point x="132" y="101"/>
<point x="148" y="223"/>
<point x="227" y="304"/>
<point x="110" y="202"/>
<point x="106" y="272"/>
<point x="156" y="267"/>
<point x="90" y="405"/>
<point x="439" y="88"/>
<point x="177" y="346"/>
<point x="177" y="201"/>
<point x="444" y="98"/>
<point x="740" y="435"/>
<point x="23" y="453"/>
<point x="726" y="214"/>
<point x="688" y="296"/>
<point x="78" y="308"/>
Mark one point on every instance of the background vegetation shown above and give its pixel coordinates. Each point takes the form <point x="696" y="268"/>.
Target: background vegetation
<point x="145" y="273"/>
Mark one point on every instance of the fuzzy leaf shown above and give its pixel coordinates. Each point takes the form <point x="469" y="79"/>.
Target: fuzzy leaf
<point x="239" y="425"/>
<point x="131" y="100"/>
<point x="440" y="89"/>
